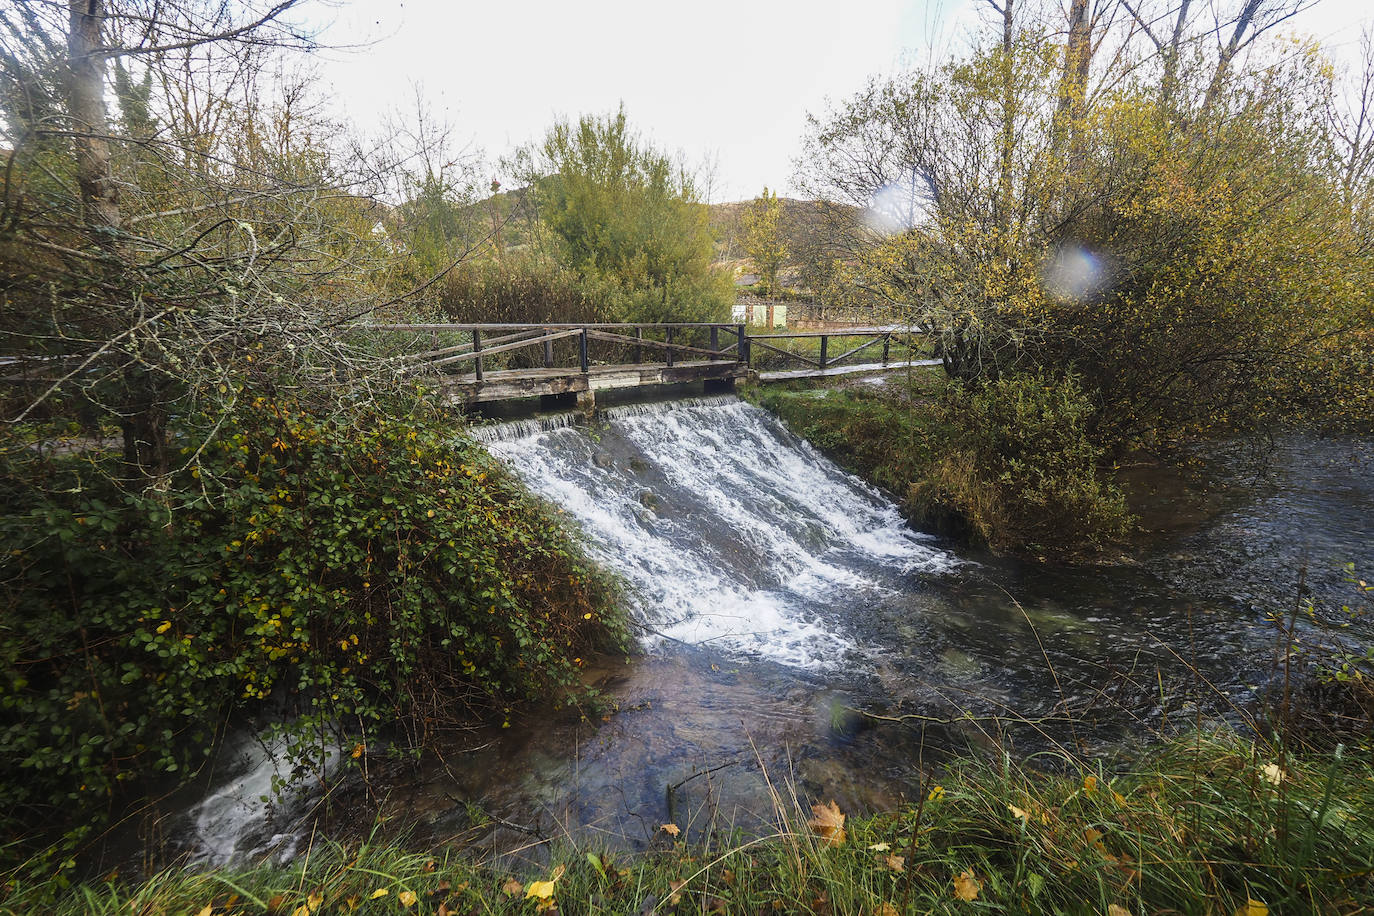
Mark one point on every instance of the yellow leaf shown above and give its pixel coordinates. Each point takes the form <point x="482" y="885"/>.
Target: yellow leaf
<point x="1274" y="774"/>
<point x="407" y="898"/>
<point x="543" y="890"/>
<point x="671" y="829"/>
<point x="967" y="885"/>
<point x="208" y="909"/>
<point x="358" y="751"/>
<point x="886" y="909"/>
<point x="1252" y="907"/>
<point x="828" y="823"/>
<point x="936" y="794"/>
<point x="1017" y="812"/>
<point x="1117" y="909"/>
<point x="1090" y="785"/>
<point x="379" y="892"/>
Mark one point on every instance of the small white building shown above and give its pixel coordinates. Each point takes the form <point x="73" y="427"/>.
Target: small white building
<point x="766" y="312"/>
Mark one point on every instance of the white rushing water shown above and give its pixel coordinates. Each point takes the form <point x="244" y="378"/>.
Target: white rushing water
<point x="729" y="530"/>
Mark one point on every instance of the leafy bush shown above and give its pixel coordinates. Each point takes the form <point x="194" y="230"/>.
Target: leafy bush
<point x="1009" y="464"/>
<point x="375" y="570"/>
<point x="1018" y="466"/>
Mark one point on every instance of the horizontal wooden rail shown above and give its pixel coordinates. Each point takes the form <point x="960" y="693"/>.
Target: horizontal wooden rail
<point x="488" y="351"/>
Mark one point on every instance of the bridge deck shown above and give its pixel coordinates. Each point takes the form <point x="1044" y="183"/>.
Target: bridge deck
<point x="507" y="384"/>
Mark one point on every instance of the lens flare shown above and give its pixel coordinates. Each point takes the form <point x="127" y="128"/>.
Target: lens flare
<point x="1074" y="273"/>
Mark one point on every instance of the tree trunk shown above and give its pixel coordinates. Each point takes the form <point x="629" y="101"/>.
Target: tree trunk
<point x="1073" y="83"/>
<point x="142" y="415"/>
<point x="1169" y="84"/>
<point x="86" y="98"/>
<point x="1228" y="52"/>
<point x="1008" y="138"/>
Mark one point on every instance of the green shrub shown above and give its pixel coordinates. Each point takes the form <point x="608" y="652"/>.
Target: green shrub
<point x="1017" y="465"/>
<point x="1010" y="464"/>
<point x="376" y="570"/>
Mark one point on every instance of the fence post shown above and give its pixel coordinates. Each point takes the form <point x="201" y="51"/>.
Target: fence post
<point x="639" y="348"/>
<point x="668" y="339"/>
<point x="582" y="351"/>
<point x="548" y="352"/>
<point x="715" y="341"/>
<point x="477" y="353"/>
<point x="824" y="339"/>
<point x="887" y="342"/>
<point x="743" y="344"/>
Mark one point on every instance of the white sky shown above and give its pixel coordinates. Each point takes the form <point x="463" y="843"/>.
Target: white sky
<point x="727" y="82"/>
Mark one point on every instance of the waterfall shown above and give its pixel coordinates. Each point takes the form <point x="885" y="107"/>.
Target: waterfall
<point x="728" y="529"/>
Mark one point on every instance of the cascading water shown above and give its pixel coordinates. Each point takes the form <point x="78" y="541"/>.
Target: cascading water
<point x="730" y="531"/>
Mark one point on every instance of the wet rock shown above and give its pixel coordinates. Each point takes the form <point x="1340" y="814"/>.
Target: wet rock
<point x="648" y="500"/>
<point x="602" y="460"/>
<point x="959" y="662"/>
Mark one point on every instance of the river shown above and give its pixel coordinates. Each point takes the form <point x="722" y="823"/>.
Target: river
<point x="796" y="636"/>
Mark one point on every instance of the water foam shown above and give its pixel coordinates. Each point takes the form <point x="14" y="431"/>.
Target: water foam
<point x="730" y="531"/>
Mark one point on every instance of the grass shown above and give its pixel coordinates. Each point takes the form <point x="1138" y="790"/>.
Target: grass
<point x="1210" y="824"/>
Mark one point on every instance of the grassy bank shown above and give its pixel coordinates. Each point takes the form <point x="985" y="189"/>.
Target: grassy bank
<point x="1211" y="824"/>
<point x="1010" y="465"/>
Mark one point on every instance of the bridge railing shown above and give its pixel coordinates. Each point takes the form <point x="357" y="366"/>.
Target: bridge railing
<point x="834" y="348"/>
<point x="534" y="350"/>
<point x="554" y="348"/>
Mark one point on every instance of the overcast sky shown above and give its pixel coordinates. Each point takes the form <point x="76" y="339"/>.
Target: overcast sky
<point x="723" y="81"/>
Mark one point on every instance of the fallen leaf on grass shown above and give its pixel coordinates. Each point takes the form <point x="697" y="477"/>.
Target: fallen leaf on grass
<point x="1117" y="909"/>
<point x="967" y="885"/>
<point x="513" y="887"/>
<point x="407" y="898"/>
<point x="896" y="863"/>
<point x="880" y="847"/>
<point x="828" y="823"/>
<point x="207" y="910"/>
<point x="1090" y="785"/>
<point x="1252" y="907"/>
<point x="1017" y="812"/>
<point x="671" y="829"/>
<point x="1274" y="774"/>
<point x="379" y="892"/>
<point x="675" y="892"/>
<point x="886" y="909"/>
<point x="543" y="890"/>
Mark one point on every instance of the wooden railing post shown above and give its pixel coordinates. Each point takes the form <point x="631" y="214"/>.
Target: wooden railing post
<point x="548" y="352"/>
<point x="743" y="354"/>
<point x="639" y="348"/>
<point x="887" y="342"/>
<point x="668" y="339"/>
<point x="477" y="353"/>
<point x="715" y="339"/>
<point x="824" y="340"/>
<point x="582" y="351"/>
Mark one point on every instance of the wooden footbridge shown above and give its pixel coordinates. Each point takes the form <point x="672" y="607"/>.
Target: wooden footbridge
<point x="569" y="363"/>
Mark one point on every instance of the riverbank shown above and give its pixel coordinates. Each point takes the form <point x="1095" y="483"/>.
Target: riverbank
<point x="1011" y="465"/>
<point x="1208" y="823"/>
